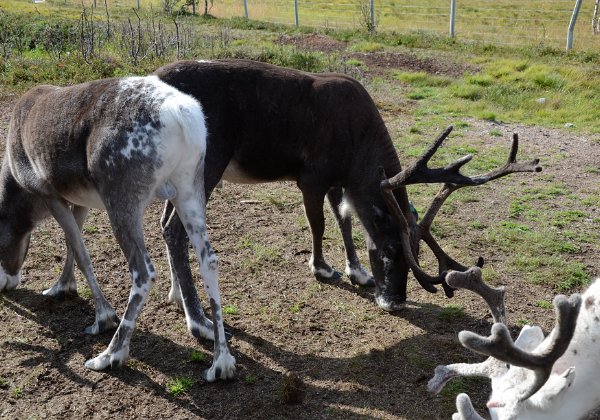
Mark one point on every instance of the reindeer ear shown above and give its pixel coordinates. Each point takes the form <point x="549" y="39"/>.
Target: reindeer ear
<point x="555" y="386"/>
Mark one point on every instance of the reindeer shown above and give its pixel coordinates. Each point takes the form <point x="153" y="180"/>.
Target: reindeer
<point x="111" y="144"/>
<point x="534" y="377"/>
<point x="324" y="132"/>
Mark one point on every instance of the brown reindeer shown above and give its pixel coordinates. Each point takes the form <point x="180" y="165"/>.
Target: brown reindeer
<point x="112" y="144"/>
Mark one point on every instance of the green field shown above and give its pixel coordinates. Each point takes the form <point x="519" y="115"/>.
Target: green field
<point x="502" y="22"/>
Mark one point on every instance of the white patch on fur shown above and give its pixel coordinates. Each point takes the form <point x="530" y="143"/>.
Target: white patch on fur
<point x="346" y="209"/>
<point x="204" y="61"/>
<point x="8" y="281"/>
<point x="360" y="275"/>
<point x="137" y="140"/>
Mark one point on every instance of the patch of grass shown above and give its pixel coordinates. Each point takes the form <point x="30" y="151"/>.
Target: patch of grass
<point x="544" y="304"/>
<point x="3" y="383"/>
<point x="452" y="312"/>
<point x="17" y="392"/>
<point x="250" y="379"/>
<point x="422" y="79"/>
<point x="297" y="307"/>
<point x="179" y="385"/>
<point x="367" y="47"/>
<point x="197" y="356"/>
<point x="522" y="322"/>
<point x="494" y="132"/>
<point x="230" y="310"/>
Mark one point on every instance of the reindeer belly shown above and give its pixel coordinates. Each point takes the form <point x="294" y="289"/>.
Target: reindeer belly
<point x="234" y="172"/>
<point x="84" y="197"/>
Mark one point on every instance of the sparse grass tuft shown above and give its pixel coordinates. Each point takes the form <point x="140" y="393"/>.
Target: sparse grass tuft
<point x="197" y="356"/>
<point x="230" y="310"/>
<point x="179" y="385"/>
<point x="452" y="312"/>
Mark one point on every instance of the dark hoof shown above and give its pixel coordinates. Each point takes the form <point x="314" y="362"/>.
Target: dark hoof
<point x="369" y="283"/>
<point x="335" y="276"/>
<point x="63" y="295"/>
<point x="390" y="304"/>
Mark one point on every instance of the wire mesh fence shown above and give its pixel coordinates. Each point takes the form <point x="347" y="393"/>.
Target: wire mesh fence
<point x="499" y="22"/>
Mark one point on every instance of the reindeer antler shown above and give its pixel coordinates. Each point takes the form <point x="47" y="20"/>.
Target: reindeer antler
<point x="500" y="345"/>
<point x="452" y="179"/>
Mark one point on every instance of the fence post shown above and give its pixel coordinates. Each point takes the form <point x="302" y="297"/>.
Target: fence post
<point x="296" y="11"/>
<point x="372" y="15"/>
<point x="572" y="24"/>
<point x="246" y="8"/>
<point x="452" y="17"/>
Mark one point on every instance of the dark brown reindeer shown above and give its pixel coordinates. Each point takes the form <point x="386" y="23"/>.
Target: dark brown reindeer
<point x="113" y="144"/>
<point x="324" y="132"/>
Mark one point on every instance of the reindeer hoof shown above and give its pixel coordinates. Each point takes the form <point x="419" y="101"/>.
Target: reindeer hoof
<point x="8" y="282"/>
<point x="107" y="323"/>
<point x="222" y="368"/>
<point x="360" y="277"/>
<point x="389" y="305"/>
<point x="106" y="359"/>
<point x="327" y="277"/>
<point x="175" y="297"/>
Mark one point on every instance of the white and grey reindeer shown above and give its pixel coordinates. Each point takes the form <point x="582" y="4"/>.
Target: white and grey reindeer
<point x="113" y="144"/>
<point x="534" y="377"/>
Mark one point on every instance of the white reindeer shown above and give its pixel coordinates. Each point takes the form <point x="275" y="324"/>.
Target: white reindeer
<point x="112" y="144"/>
<point x="535" y="377"/>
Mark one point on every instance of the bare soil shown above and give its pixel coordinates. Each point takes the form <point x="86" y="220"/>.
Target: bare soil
<point x="349" y="358"/>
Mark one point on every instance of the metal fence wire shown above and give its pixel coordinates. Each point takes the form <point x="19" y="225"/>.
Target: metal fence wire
<point x="499" y="22"/>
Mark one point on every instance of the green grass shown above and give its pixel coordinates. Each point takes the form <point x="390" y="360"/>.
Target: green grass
<point x="197" y="356"/>
<point x="230" y="310"/>
<point x="179" y="385"/>
<point x="452" y="312"/>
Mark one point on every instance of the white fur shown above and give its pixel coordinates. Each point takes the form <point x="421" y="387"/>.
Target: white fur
<point x="572" y="390"/>
<point x="7" y="281"/>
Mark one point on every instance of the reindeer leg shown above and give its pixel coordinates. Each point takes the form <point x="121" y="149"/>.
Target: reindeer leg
<point x="191" y="211"/>
<point x="106" y="317"/>
<point x="66" y="284"/>
<point x="183" y="291"/>
<point x="127" y="227"/>
<point x="354" y="270"/>
<point x="313" y="208"/>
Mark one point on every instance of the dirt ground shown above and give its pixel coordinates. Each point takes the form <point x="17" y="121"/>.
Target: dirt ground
<point x="352" y="359"/>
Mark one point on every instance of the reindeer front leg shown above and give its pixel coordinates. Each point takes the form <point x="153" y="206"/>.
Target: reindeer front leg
<point x="66" y="283"/>
<point x="354" y="270"/>
<point x="106" y="317"/>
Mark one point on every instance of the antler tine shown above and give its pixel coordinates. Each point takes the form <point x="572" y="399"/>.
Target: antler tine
<point x="425" y="280"/>
<point x="418" y="172"/>
<point x="472" y="280"/>
<point x="511" y="166"/>
<point x="465" y="408"/>
<point x="500" y="345"/>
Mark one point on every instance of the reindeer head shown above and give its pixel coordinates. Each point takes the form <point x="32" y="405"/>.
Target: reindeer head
<point x="533" y="377"/>
<point x="411" y="233"/>
<point x="15" y="228"/>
